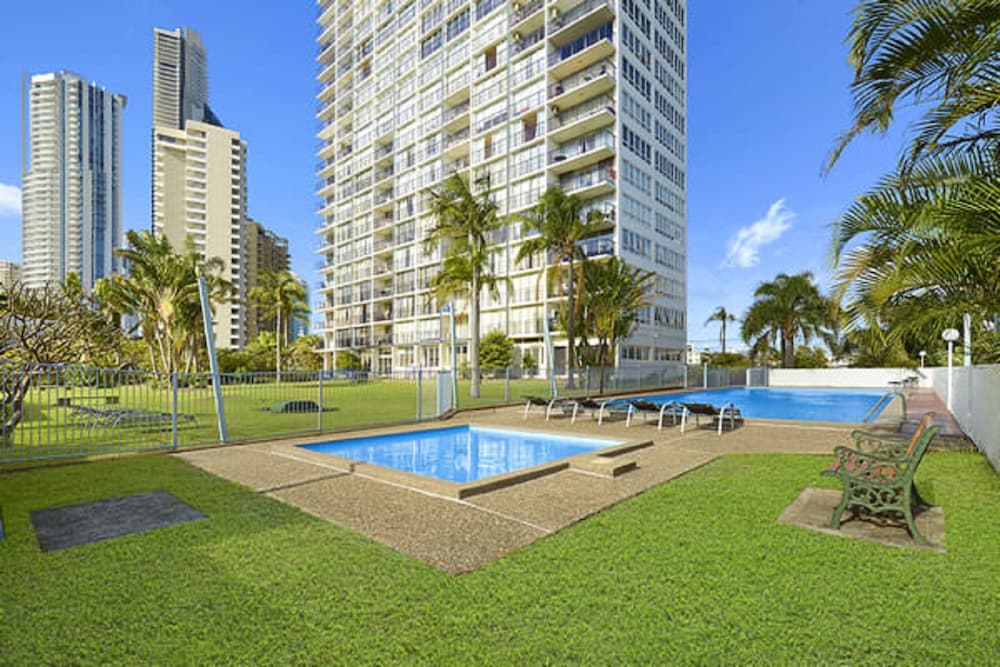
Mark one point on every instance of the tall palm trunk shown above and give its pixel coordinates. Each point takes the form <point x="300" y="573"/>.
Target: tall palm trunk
<point x="787" y="350"/>
<point x="723" y="335"/>
<point x="474" y="336"/>
<point x="570" y="317"/>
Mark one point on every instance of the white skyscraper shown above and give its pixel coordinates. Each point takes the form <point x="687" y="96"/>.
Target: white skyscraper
<point x="71" y="188"/>
<point x="586" y="95"/>
<point x="199" y="171"/>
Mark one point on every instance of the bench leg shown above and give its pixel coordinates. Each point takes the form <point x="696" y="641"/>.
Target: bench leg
<point x="911" y="525"/>
<point x="839" y="511"/>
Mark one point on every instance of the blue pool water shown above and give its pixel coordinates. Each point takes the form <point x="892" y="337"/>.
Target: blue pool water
<point x="461" y="453"/>
<point x="808" y="404"/>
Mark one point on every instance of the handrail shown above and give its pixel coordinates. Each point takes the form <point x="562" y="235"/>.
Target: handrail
<point x="892" y="393"/>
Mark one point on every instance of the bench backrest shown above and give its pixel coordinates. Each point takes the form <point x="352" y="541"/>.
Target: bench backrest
<point x="924" y="424"/>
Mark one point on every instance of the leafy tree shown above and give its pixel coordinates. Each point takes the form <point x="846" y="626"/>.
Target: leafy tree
<point x="529" y="364"/>
<point x="53" y="325"/>
<point x="496" y="350"/>
<point x="613" y="295"/>
<point x="728" y="360"/>
<point x="560" y="224"/>
<point x="346" y="359"/>
<point x="465" y="221"/>
<point x="724" y="316"/>
<point x="787" y="308"/>
<point x="281" y="296"/>
<point x="811" y="357"/>
<point x="303" y="355"/>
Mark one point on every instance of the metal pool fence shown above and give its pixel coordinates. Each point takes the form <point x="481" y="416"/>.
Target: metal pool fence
<point x="59" y="411"/>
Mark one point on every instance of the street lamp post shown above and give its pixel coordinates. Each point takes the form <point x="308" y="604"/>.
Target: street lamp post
<point x="923" y="353"/>
<point x="950" y="336"/>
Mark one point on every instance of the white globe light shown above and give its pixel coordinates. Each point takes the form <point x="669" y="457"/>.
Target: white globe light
<point x="950" y="335"/>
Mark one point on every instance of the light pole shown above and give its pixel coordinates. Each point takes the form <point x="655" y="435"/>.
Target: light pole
<point x="923" y="353"/>
<point x="950" y="335"/>
<point x="450" y="310"/>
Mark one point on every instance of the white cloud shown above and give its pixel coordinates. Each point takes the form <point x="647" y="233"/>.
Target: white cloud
<point x="10" y="199"/>
<point x="743" y="250"/>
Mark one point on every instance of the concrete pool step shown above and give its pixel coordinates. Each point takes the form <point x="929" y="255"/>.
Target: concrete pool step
<point x="605" y="466"/>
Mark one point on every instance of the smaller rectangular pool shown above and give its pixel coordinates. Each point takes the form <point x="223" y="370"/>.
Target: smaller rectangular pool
<point x="461" y="453"/>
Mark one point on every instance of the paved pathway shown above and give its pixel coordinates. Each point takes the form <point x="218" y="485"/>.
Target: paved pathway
<point x="458" y="535"/>
<point x="922" y="400"/>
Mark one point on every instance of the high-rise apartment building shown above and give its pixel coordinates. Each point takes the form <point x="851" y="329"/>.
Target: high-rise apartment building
<point x="199" y="171"/>
<point x="587" y="95"/>
<point x="72" y="181"/>
<point x="266" y="251"/>
<point x="10" y="273"/>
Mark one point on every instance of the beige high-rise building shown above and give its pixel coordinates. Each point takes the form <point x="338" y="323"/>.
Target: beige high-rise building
<point x="199" y="196"/>
<point x="199" y="171"/>
<point x="585" y="95"/>
<point x="72" y="182"/>
<point x="10" y="273"/>
<point x="266" y="251"/>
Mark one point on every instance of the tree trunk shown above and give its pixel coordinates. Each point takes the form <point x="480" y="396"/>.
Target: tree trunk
<point x="723" y="335"/>
<point x="787" y="351"/>
<point x="474" y="336"/>
<point x="570" y="317"/>
<point x="603" y="358"/>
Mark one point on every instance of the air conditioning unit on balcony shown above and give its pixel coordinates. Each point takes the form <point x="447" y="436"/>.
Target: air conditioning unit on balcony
<point x="516" y="36"/>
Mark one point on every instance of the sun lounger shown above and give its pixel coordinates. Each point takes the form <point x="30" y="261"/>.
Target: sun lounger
<point x="727" y="413"/>
<point x="644" y="407"/>
<point x="599" y="409"/>
<point x="547" y="405"/>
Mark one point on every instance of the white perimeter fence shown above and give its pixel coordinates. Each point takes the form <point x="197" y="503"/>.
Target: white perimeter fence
<point x="975" y="393"/>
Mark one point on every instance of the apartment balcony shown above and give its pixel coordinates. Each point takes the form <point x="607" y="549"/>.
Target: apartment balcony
<point x="584" y="152"/>
<point x="580" y="20"/>
<point x="528" y="18"/>
<point x="383" y="221"/>
<point x="383" y="198"/>
<point x="598" y="246"/>
<point x="457" y="144"/>
<point x="383" y="173"/>
<point x="594" y="182"/>
<point x="457" y="87"/>
<point x="562" y="63"/>
<point x="383" y="153"/>
<point x="456" y="117"/>
<point x="582" y="119"/>
<point x="383" y="246"/>
<point x="525" y="40"/>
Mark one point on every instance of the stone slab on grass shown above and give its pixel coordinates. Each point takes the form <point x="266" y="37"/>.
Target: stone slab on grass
<point x="76" y="525"/>
<point x="814" y="508"/>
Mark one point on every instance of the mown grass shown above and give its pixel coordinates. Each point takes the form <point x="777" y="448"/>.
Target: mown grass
<point x="697" y="571"/>
<point x="51" y="429"/>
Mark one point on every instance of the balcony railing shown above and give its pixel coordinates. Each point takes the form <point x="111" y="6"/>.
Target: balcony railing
<point x="570" y="149"/>
<point x="585" y="110"/>
<point x="580" y="10"/>
<point x="603" y="68"/>
<point x="586" y="179"/>
<point x="526" y="11"/>
<point x="578" y="45"/>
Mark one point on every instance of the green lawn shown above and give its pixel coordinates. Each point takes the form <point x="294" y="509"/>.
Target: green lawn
<point x="51" y="429"/>
<point x="697" y="571"/>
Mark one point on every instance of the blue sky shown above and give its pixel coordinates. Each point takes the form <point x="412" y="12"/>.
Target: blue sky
<point x="767" y="96"/>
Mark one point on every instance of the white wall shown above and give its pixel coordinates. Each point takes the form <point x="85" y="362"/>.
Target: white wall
<point x="877" y="378"/>
<point x="975" y="404"/>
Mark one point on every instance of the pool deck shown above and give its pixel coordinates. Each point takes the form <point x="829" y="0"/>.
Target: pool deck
<point x="458" y="532"/>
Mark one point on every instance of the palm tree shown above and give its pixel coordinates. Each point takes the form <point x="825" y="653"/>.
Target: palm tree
<point x="724" y="316"/>
<point x="786" y="308"/>
<point x="281" y="296"/>
<point x="920" y="249"/>
<point x="161" y="289"/>
<point x="560" y="224"/>
<point x="940" y="55"/>
<point x="613" y="294"/>
<point x="465" y="223"/>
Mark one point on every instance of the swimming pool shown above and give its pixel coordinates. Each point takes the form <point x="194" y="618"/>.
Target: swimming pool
<point x="461" y="453"/>
<point x="807" y="404"/>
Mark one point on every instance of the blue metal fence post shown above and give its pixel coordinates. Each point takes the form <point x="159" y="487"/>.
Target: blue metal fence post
<point x="506" y="385"/>
<point x="420" y="392"/>
<point x="173" y="411"/>
<point x="319" y="412"/>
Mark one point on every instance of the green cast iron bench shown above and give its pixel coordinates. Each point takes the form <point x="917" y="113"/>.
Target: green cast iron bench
<point x="877" y="474"/>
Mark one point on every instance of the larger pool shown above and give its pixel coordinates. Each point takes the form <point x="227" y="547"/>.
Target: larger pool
<point x="461" y="453"/>
<point x="807" y="404"/>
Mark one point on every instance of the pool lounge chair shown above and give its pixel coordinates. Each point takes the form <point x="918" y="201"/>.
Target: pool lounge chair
<point x="547" y="405"/>
<point x="644" y="407"/>
<point x="599" y="409"/>
<point x="727" y="413"/>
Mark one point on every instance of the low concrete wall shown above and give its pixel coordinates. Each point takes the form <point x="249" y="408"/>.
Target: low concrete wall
<point x="975" y="404"/>
<point x="878" y="378"/>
